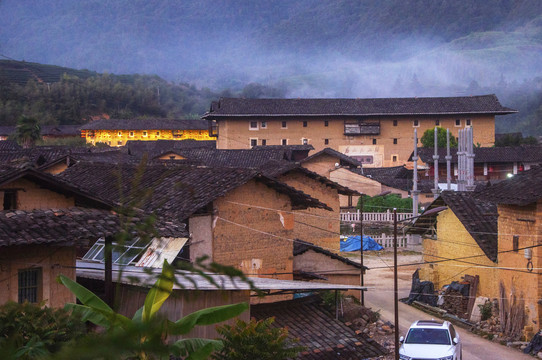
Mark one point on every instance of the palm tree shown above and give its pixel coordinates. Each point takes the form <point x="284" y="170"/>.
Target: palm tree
<point x="27" y="131"/>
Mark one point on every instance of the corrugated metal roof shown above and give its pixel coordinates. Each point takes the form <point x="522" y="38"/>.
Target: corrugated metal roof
<point x="191" y="281"/>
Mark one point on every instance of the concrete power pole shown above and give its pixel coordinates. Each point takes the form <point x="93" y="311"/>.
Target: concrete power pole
<point x="435" y="165"/>
<point x="415" y="191"/>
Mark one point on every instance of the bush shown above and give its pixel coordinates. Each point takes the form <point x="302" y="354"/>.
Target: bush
<point x="486" y="310"/>
<point x="255" y="340"/>
<point x="29" y="331"/>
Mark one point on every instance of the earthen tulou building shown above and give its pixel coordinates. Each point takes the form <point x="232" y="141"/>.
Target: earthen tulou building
<point x="377" y="132"/>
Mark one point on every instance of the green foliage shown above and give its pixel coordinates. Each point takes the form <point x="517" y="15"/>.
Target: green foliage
<point x="27" y="131"/>
<point x="142" y="337"/>
<point x="428" y="138"/>
<point x="515" y="139"/>
<point x="328" y="298"/>
<point x="31" y="331"/>
<point x="384" y="203"/>
<point x="486" y="310"/>
<point x="255" y="340"/>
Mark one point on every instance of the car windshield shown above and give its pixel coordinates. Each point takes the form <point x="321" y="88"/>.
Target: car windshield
<point x="428" y="336"/>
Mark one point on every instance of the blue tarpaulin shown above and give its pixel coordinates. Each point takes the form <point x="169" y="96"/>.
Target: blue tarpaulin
<point x="352" y="243"/>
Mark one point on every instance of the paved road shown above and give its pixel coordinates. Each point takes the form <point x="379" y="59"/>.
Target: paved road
<point x="380" y="297"/>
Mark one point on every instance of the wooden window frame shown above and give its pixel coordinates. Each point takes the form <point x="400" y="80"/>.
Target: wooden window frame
<point x="34" y="289"/>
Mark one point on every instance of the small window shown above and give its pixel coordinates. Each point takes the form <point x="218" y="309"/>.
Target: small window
<point x="326" y="142"/>
<point x="515" y="243"/>
<point x="253" y="142"/>
<point x="264" y="124"/>
<point x="10" y="199"/>
<point x="304" y="124"/>
<point x="119" y="133"/>
<point x="131" y="134"/>
<point x="326" y="123"/>
<point x="394" y="122"/>
<point x="468" y="122"/>
<point x="119" y="143"/>
<point x="394" y="141"/>
<point x="284" y="142"/>
<point x="437" y="122"/>
<point x="416" y="123"/>
<point x="253" y="125"/>
<point x="264" y="142"/>
<point x="304" y="141"/>
<point x="145" y="134"/>
<point x="374" y="141"/>
<point x="457" y="122"/>
<point x="29" y="285"/>
<point x="284" y="125"/>
<point x="394" y="158"/>
<point x="158" y="133"/>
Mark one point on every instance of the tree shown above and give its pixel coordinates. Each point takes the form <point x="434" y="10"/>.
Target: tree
<point x="255" y="340"/>
<point x="143" y="337"/>
<point x="27" y="131"/>
<point x="428" y="138"/>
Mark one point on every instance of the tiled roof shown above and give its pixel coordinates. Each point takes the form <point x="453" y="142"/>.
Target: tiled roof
<point x="69" y="226"/>
<point x="300" y="247"/>
<point x="233" y="158"/>
<point x="479" y="217"/>
<point x="521" y="189"/>
<point x="284" y="147"/>
<point x="397" y="177"/>
<point x="146" y="124"/>
<point x="173" y="191"/>
<point x="276" y="169"/>
<point x="47" y="130"/>
<point x="9" y="145"/>
<point x="334" y="153"/>
<point x="316" y="329"/>
<point x="43" y="155"/>
<point x="158" y="147"/>
<point x="485" y="104"/>
<point x="524" y="153"/>
<point x="60" y="130"/>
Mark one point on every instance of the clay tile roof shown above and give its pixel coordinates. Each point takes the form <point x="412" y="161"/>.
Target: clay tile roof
<point x="146" y="124"/>
<point x="345" y="159"/>
<point x="300" y="247"/>
<point x="479" y="217"/>
<point x="233" y="158"/>
<point x="484" y="104"/>
<point x="9" y="145"/>
<point x="158" y="147"/>
<point x="171" y="191"/>
<point x="521" y="189"/>
<point x="69" y="226"/>
<point x="508" y="154"/>
<point x="276" y="169"/>
<point x="60" y="130"/>
<point x="316" y="329"/>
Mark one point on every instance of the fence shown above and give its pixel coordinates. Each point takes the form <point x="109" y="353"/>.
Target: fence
<point x="374" y="217"/>
<point x="402" y="241"/>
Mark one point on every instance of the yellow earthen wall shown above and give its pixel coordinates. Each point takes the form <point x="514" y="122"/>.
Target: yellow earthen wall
<point x="30" y="196"/>
<point x="236" y="134"/>
<point x="527" y="285"/>
<point x="318" y="226"/>
<point x="52" y="260"/>
<point x="112" y="138"/>
<point x="454" y="241"/>
<point x="256" y="231"/>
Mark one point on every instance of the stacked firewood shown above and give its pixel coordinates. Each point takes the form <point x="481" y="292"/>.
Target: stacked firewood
<point x="455" y="303"/>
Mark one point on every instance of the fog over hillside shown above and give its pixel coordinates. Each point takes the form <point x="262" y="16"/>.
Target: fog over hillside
<point x="310" y="48"/>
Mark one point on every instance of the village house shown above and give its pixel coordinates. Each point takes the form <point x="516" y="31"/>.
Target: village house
<point x="465" y="229"/>
<point x="116" y="132"/>
<point x="519" y="205"/>
<point x="348" y="172"/>
<point x="490" y="163"/>
<point x="43" y="224"/>
<point x="377" y="132"/>
<point x="47" y="132"/>
<point x="236" y="217"/>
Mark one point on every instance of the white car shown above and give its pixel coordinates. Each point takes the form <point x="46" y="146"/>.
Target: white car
<point x="430" y="340"/>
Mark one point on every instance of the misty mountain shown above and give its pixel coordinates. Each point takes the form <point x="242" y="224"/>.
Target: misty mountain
<point x="305" y="48"/>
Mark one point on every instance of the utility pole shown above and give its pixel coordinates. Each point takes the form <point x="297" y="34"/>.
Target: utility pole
<point x="448" y="162"/>
<point x="395" y="287"/>
<point x="435" y="165"/>
<point x="415" y="192"/>
<point x="362" y="293"/>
